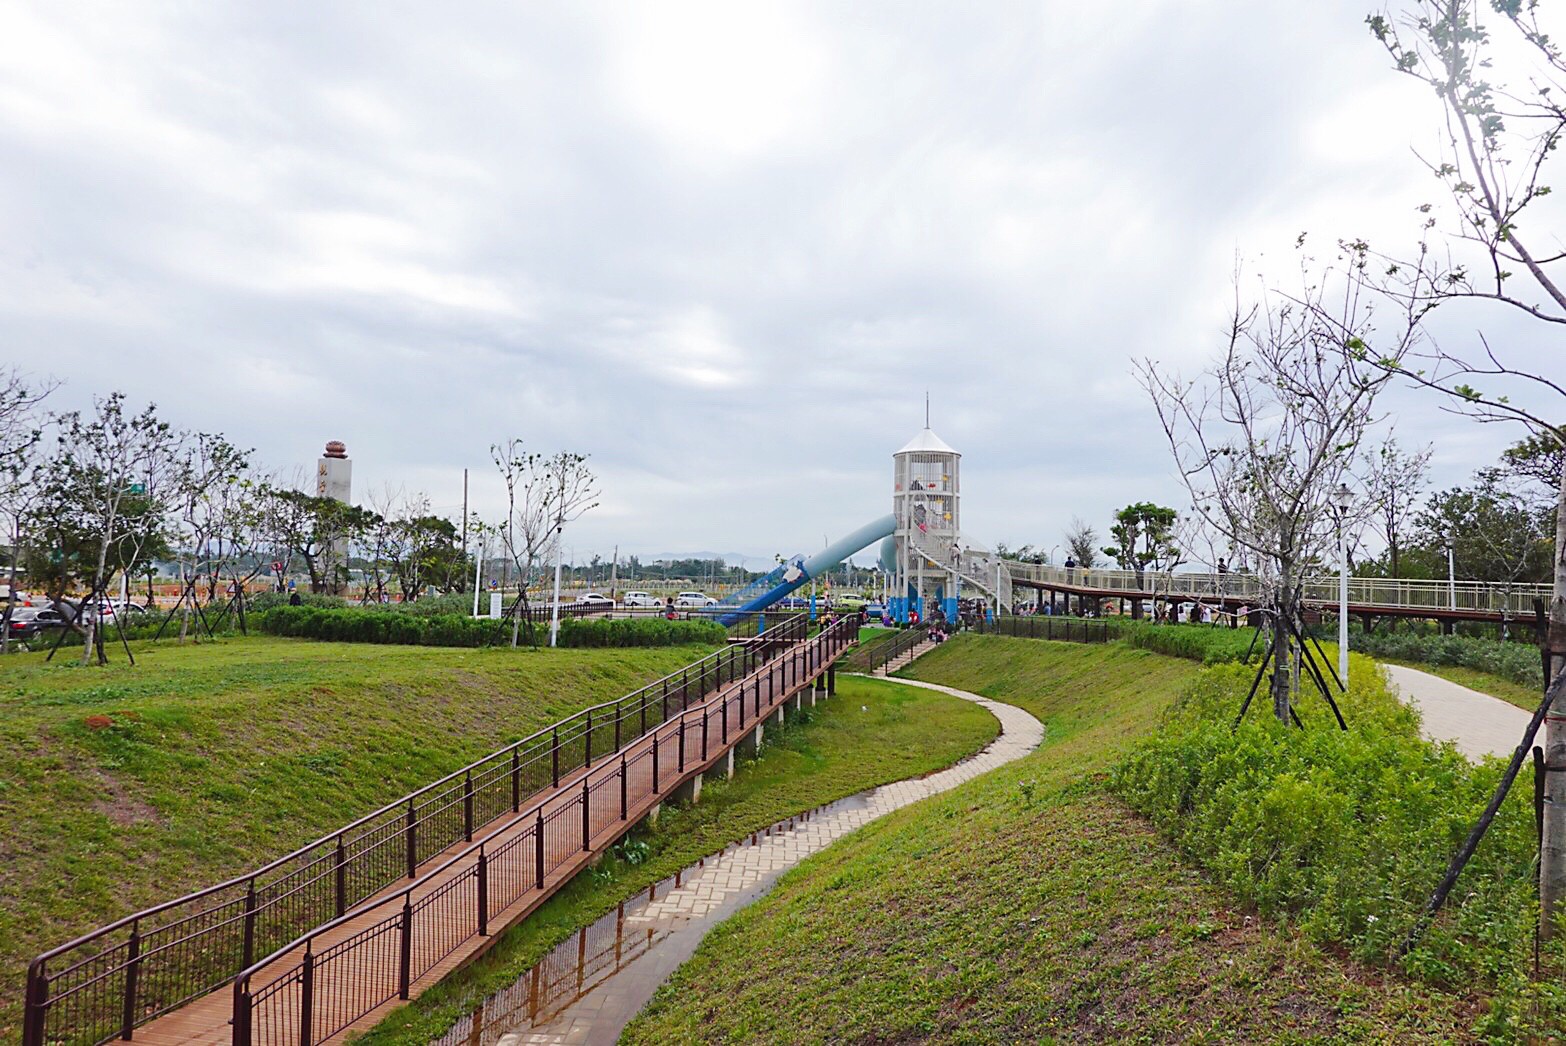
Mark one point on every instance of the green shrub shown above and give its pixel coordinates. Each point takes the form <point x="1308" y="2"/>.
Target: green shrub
<point x="267" y="600"/>
<point x="1518" y="662"/>
<point x="1345" y="833"/>
<point x="1205" y="643"/>
<point x="360" y="625"/>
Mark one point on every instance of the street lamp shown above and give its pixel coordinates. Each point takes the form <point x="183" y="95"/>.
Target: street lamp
<point x="1451" y="579"/>
<point x="1343" y="497"/>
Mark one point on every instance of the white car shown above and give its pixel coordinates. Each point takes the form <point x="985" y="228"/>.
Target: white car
<point x="694" y="599"/>
<point x="642" y="599"/>
<point x="596" y="599"/>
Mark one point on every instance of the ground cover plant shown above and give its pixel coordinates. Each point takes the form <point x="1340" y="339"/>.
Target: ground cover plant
<point x="123" y="786"/>
<point x="872" y="732"/>
<point x="1346" y="833"/>
<point x="1031" y="905"/>
<point x="361" y="625"/>
<point x="1514" y="661"/>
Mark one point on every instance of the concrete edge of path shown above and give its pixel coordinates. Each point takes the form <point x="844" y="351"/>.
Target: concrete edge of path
<point x="1478" y="724"/>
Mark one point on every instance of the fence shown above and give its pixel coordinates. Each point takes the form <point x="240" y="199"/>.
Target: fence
<point x="906" y="640"/>
<point x="1394" y="593"/>
<point x="1045" y="626"/>
<point x="108" y="982"/>
<point x="322" y="982"/>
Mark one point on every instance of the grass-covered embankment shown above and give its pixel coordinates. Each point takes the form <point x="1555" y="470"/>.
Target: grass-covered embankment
<point x="1032" y="905"/>
<point x="871" y="733"/>
<point x="123" y="786"/>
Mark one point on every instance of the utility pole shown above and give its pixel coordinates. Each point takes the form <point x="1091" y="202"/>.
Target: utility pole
<point x="464" y="512"/>
<point x="614" y="573"/>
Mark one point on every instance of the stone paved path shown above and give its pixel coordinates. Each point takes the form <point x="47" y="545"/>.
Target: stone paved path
<point x="1479" y="724"/>
<point x="591" y="999"/>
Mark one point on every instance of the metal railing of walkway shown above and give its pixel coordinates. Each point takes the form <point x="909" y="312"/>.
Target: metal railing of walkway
<point x="1486" y="600"/>
<point x="113" y="980"/>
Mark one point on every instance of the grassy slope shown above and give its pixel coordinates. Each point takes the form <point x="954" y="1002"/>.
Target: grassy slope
<point x="871" y="733"/>
<point x="1027" y="905"/>
<point x="227" y="754"/>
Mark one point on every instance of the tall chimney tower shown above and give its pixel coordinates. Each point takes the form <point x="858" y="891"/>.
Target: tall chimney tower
<point x="334" y="479"/>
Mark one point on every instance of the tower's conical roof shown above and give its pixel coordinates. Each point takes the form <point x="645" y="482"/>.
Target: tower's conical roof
<point x="926" y="442"/>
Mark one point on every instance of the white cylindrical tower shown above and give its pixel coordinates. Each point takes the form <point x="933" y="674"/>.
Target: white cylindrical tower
<point x="926" y="499"/>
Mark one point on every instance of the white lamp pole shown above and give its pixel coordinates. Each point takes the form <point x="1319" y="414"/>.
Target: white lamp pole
<point x="1344" y="497"/>
<point x="554" y="607"/>
<point x="1451" y="580"/>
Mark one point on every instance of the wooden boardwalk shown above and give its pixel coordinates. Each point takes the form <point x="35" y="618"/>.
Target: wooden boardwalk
<point x="347" y="974"/>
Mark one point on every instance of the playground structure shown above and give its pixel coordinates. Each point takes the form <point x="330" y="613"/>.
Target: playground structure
<point x="921" y="545"/>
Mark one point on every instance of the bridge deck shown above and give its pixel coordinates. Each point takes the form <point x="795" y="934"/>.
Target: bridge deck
<point x="352" y="965"/>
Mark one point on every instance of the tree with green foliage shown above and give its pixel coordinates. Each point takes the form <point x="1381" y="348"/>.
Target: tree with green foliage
<point x="1394" y="479"/>
<point x="21" y="431"/>
<point x="309" y="526"/>
<point x="1144" y="538"/>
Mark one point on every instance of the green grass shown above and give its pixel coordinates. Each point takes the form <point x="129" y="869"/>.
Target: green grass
<point x="871" y="733"/>
<point x="1029" y="905"/>
<point x="211" y="759"/>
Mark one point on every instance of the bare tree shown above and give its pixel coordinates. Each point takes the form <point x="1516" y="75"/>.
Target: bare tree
<point x="1394" y="480"/>
<point x="1082" y="542"/>
<point x="543" y="494"/>
<point x="214" y="512"/>
<point x="1267" y="433"/>
<point x="21" y="430"/>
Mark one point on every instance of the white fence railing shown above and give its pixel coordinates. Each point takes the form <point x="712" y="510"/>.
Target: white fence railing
<point x="1510" y="600"/>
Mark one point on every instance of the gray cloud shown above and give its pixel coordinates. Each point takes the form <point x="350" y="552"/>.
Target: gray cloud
<point x="725" y="249"/>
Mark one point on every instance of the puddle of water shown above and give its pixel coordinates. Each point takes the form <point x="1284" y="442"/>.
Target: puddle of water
<point x="591" y="986"/>
<point x="531" y="1009"/>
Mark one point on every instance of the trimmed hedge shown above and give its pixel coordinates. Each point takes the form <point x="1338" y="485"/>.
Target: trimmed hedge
<point x="1516" y="661"/>
<point x="354" y="625"/>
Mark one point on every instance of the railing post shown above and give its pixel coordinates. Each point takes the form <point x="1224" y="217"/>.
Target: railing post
<point x="405" y="950"/>
<point x="587" y="744"/>
<point x="665" y="714"/>
<point x="706" y="719"/>
<point x="554" y="756"/>
<point x="242" y="1007"/>
<point x="467" y="807"/>
<point x="516" y="780"/>
<point x="132" y="976"/>
<point x="483" y="893"/>
<point x="37" y="1008"/>
<point x="655" y="763"/>
<point x="682" y="743"/>
<point x="411" y="833"/>
<point x="248" y="948"/>
<point x="538" y="830"/>
<point x="643" y="712"/>
<point x="619" y="714"/>
<point x="307" y="997"/>
<point x="587" y="800"/>
<point x="723" y="717"/>
<point x="625" y="806"/>
<point x="341" y="876"/>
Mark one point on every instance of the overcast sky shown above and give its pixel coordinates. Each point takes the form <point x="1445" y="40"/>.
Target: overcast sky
<point x="722" y="248"/>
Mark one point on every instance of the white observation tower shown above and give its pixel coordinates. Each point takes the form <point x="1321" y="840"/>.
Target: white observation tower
<point x="926" y="500"/>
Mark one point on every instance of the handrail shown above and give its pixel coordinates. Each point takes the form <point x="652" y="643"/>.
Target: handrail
<point x="906" y="641"/>
<point x="1393" y="593"/>
<point x="815" y="653"/>
<point x="236" y="906"/>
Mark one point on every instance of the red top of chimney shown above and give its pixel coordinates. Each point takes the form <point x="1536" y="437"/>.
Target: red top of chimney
<point x="336" y="449"/>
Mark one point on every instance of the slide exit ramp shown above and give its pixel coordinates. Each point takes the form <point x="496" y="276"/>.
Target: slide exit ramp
<point x="793" y="575"/>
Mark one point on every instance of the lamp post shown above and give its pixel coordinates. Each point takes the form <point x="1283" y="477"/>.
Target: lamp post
<point x="1343" y="497"/>
<point x="554" y="607"/>
<point x="1451" y="580"/>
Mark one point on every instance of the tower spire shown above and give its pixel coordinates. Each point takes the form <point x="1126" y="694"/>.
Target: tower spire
<point x="926" y="408"/>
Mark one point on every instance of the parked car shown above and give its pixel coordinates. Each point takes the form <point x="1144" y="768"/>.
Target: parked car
<point x="596" y="599"/>
<point x="694" y="599"/>
<point x="641" y="599"/>
<point x="28" y="622"/>
<point x="793" y="603"/>
<point x="875" y="611"/>
<point x="848" y="604"/>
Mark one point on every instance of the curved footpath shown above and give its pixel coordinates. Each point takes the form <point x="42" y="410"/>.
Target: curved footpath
<point x="678" y="920"/>
<point x="1477" y="723"/>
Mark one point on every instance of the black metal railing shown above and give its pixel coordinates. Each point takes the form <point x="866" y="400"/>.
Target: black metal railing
<point x="105" y="983"/>
<point x="906" y="640"/>
<point x="322" y="981"/>
<point x="1046" y="626"/>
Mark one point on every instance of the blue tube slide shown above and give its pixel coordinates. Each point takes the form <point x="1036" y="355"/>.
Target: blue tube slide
<point x="798" y="574"/>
